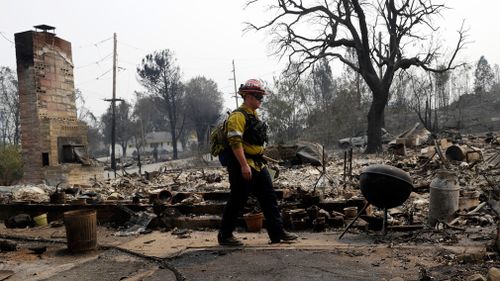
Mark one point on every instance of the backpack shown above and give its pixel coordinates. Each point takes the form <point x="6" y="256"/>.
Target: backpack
<point x="218" y="141"/>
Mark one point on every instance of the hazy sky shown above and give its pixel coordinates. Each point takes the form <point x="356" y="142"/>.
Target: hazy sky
<point x="205" y="37"/>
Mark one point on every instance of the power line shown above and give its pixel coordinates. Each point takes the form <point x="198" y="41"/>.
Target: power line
<point x="94" y="79"/>
<point x="132" y="46"/>
<point x="95" y="44"/>
<point x="99" y="51"/>
<point x="104" y="40"/>
<point x="97" y="78"/>
<point x="96" y="62"/>
<point x="4" y="37"/>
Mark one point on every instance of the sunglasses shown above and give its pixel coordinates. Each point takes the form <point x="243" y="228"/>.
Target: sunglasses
<point x="258" y="97"/>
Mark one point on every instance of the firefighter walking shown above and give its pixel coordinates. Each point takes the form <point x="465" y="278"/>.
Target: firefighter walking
<point x="246" y="135"/>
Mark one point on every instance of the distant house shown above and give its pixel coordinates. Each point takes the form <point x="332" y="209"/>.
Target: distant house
<point x="160" y="141"/>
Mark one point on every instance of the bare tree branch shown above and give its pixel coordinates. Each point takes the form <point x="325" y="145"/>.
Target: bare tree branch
<point x="346" y="25"/>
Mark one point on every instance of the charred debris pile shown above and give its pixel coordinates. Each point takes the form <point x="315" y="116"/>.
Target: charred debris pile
<point x="316" y="191"/>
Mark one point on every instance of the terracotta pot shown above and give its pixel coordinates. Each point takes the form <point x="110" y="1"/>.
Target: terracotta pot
<point x="254" y="221"/>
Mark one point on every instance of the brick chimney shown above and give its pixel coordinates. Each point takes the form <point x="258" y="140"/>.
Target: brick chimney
<point x="50" y="130"/>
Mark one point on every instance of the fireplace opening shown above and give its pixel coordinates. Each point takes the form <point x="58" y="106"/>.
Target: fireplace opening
<point x="70" y="153"/>
<point x="71" y="150"/>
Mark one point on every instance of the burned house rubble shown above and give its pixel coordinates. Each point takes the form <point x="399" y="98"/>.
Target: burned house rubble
<point x="452" y="196"/>
<point x="318" y="192"/>
<point x="54" y="141"/>
<point x="311" y="196"/>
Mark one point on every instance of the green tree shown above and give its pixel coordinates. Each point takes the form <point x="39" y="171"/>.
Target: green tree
<point x="160" y="75"/>
<point x="123" y="125"/>
<point x="9" y="107"/>
<point x="351" y="105"/>
<point x="148" y="109"/>
<point x="11" y="164"/>
<point x="323" y="83"/>
<point x="484" y="77"/>
<point x="378" y="32"/>
<point x="323" y="89"/>
<point x="287" y="109"/>
<point x="203" y="105"/>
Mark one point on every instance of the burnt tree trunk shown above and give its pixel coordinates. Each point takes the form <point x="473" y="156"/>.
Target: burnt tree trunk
<point x="376" y="121"/>
<point x="380" y="93"/>
<point x="124" y="149"/>
<point x="174" y="140"/>
<point x="172" y="117"/>
<point x="201" y="132"/>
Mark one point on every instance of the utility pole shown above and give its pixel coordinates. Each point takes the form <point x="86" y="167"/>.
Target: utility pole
<point x="113" y="123"/>
<point x="235" y="89"/>
<point x="113" y="113"/>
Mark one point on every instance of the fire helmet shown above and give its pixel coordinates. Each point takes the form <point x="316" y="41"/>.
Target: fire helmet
<point x="252" y="86"/>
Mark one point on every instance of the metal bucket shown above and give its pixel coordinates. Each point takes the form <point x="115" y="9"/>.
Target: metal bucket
<point x="58" y="198"/>
<point x="463" y="153"/>
<point x="444" y="194"/>
<point x="468" y="200"/>
<point x="81" y="230"/>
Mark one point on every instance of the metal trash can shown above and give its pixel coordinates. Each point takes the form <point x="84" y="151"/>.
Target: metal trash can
<point x="81" y="230"/>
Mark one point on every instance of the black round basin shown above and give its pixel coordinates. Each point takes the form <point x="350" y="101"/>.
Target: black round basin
<point x="385" y="186"/>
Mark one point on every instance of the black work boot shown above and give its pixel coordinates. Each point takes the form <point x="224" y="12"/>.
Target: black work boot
<point x="285" y="237"/>
<point x="228" y="241"/>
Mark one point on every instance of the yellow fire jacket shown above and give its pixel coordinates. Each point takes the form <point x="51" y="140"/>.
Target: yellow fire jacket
<point x="235" y="127"/>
